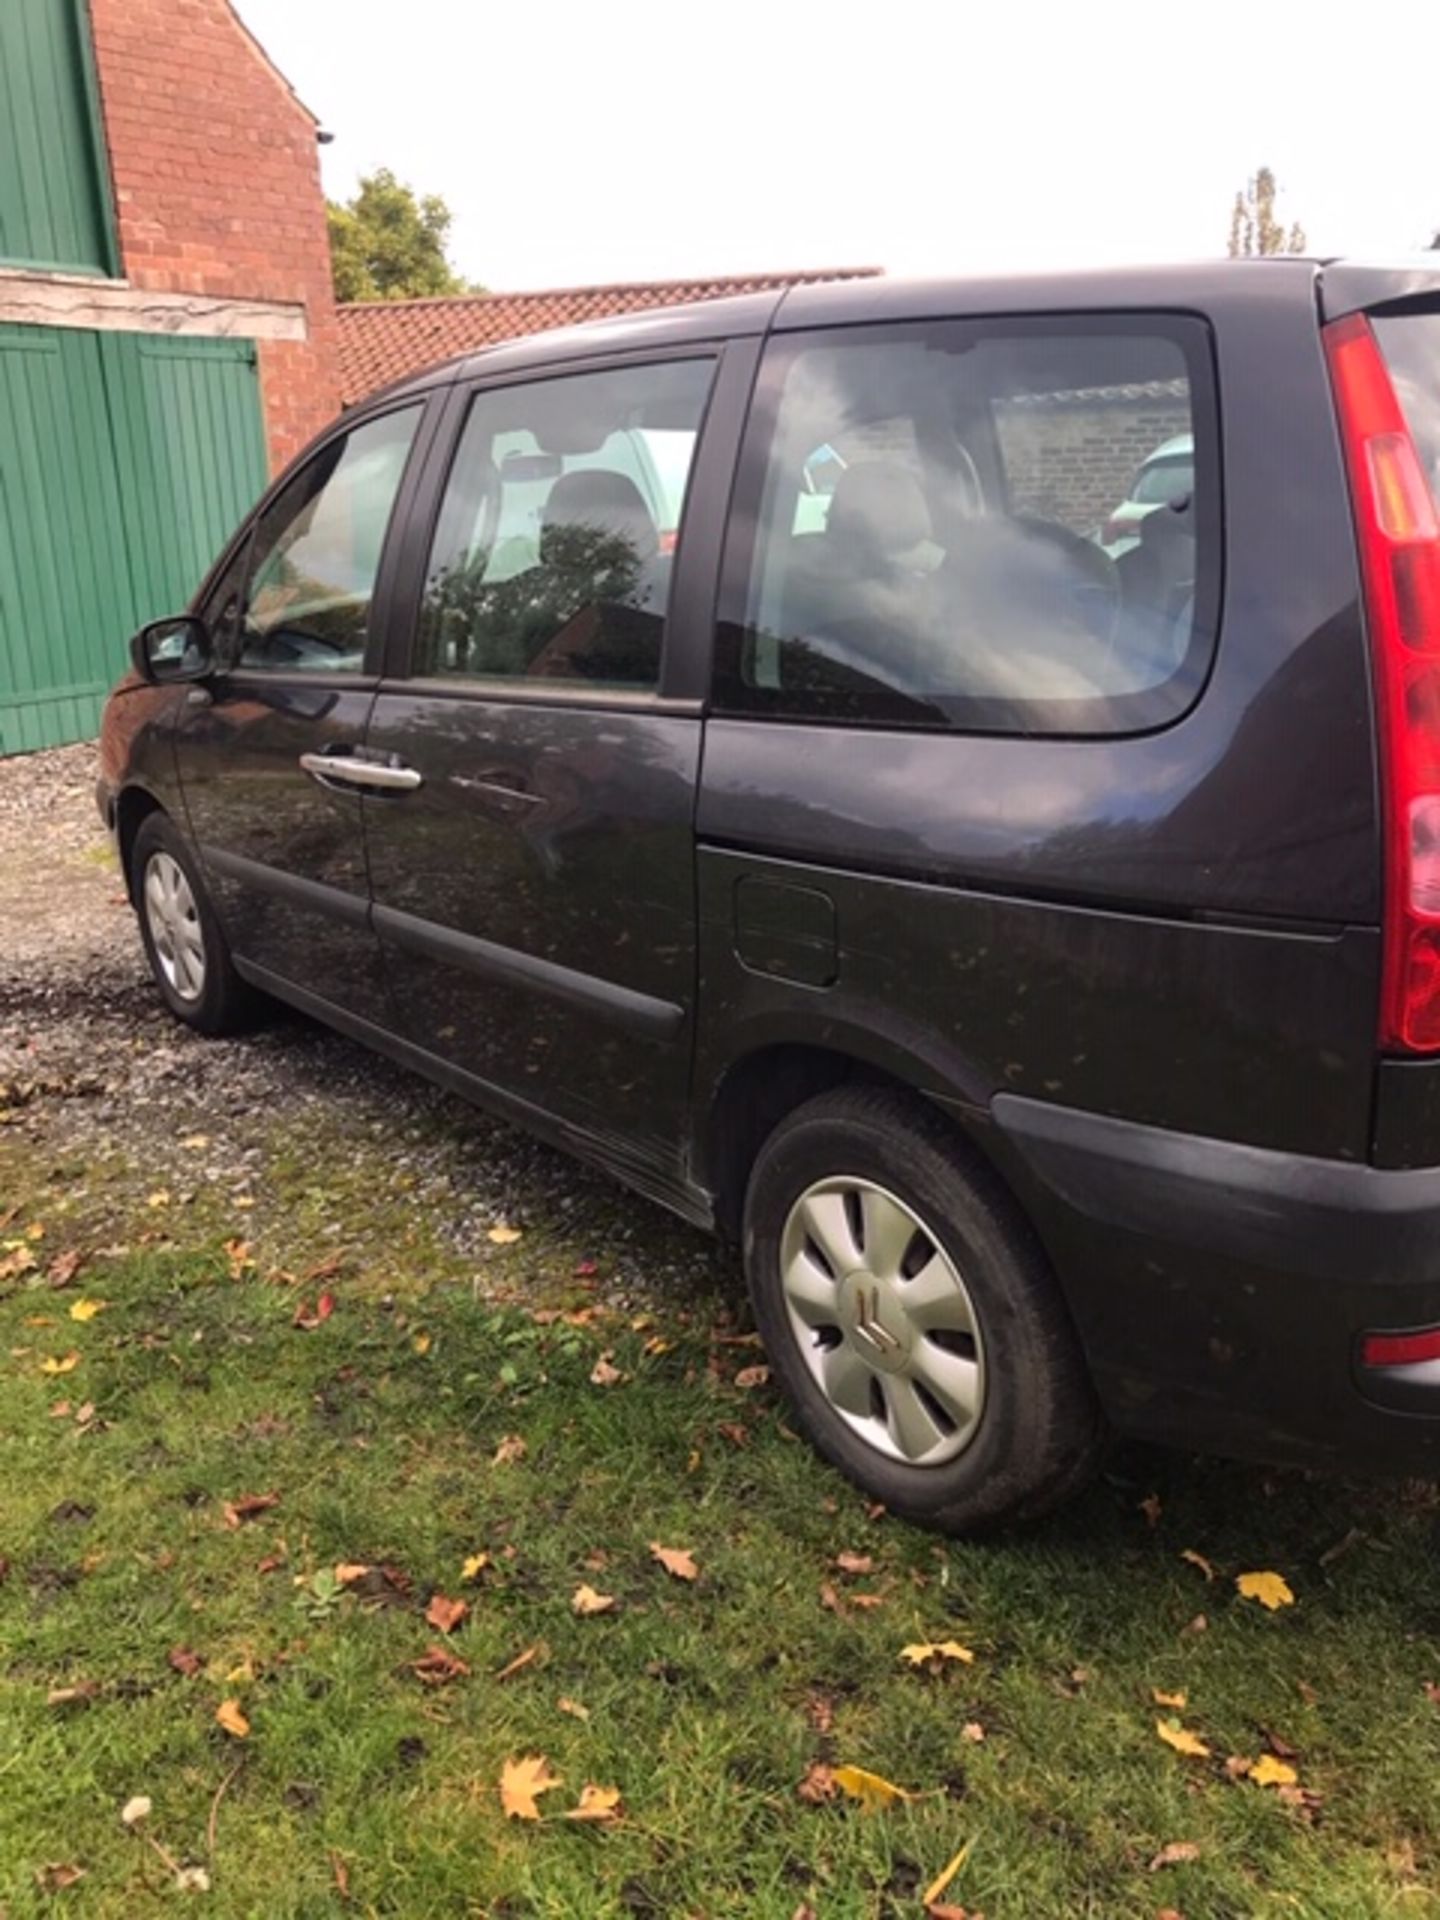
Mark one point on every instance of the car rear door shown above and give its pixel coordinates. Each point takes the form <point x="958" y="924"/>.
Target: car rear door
<point x="270" y="750"/>
<point x="534" y="897"/>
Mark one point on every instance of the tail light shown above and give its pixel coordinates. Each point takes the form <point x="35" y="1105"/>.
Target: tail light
<point x="1398" y="529"/>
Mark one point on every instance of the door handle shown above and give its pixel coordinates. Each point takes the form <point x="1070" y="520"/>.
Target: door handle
<point x="349" y="770"/>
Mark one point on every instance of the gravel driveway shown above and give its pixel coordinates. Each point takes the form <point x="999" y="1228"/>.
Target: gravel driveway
<point x="289" y="1137"/>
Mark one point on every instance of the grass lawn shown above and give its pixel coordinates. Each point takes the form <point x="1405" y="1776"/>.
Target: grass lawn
<point x="362" y="1788"/>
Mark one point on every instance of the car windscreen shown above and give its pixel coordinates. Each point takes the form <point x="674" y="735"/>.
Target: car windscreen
<point x="1411" y="345"/>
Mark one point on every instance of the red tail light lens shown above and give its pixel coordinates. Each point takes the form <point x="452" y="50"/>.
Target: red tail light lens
<point x="1398" y="527"/>
<point x="1400" y="1349"/>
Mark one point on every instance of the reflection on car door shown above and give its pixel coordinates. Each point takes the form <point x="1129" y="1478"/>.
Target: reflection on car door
<point x="297" y="618"/>
<point x="535" y="897"/>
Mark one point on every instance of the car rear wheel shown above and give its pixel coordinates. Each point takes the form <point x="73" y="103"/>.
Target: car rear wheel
<point x="181" y="934"/>
<point x="911" y="1316"/>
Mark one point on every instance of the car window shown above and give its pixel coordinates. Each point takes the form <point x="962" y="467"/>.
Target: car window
<point x="957" y="572"/>
<point x="316" y="552"/>
<point x="554" y="545"/>
<point x="1164" y="483"/>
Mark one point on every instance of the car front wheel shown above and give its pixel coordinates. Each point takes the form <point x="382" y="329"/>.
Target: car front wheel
<point x="911" y="1316"/>
<point x="182" y="936"/>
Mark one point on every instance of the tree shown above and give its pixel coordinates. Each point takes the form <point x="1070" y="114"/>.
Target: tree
<point x="1254" y="228"/>
<point x="389" y="244"/>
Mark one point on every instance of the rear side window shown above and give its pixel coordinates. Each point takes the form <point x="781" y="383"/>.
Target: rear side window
<point x="991" y="526"/>
<point x="554" y="547"/>
<point x="1410" y="343"/>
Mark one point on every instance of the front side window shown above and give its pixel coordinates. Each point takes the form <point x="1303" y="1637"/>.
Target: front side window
<point x="554" y="546"/>
<point x="316" y="553"/>
<point x="949" y="530"/>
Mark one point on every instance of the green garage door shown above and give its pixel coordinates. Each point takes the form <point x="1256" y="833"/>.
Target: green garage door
<point x="125" y="461"/>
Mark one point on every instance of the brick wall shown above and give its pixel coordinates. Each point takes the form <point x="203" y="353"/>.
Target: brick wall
<point x="1074" y="460"/>
<point x="217" y="187"/>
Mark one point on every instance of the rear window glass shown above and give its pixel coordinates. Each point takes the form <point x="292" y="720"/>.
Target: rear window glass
<point x="1411" y="345"/>
<point x="949" y="530"/>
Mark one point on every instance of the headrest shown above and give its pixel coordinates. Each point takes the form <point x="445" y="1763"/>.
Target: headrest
<point x="609" y="503"/>
<point x="879" y="506"/>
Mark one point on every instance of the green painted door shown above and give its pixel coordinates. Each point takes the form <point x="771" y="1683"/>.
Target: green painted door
<point x="54" y="186"/>
<point x="125" y="462"/>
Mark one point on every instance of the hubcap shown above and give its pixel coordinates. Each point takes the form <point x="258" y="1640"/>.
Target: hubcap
<point x="884" y="1321"/>
<point x="174" y="923"/>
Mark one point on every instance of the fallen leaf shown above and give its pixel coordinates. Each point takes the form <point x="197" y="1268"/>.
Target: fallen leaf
<point x="183" y="1660"/>
<point x="1270" y="1589"/>
<point x="36" y="1230"/>
<point x="437" y="1666"/>
<point x="519" y="1663"/>
<point x="1151" y="1508"/>
<point x="445" y="1615"/>
<point x="421" y="1344"/>
<point x="573" y="1708"/>
<point x="68" y="1365"/>
<point x="752" y="1376"/>
<point x="56" y="1877"/>
<point x="1176" y="1854"/>
<point x="921" y="1652"/>
<point x="973" y="1732"/>
<point x="857" y="1563"/>
<point x="160" y="1198"/>
<point x="1237" y="1767"/>
<point x="829" y="1599"/>
<point x="237" y="1252"/>
<point x="195" y="1142"/>
<point x="1282" y="1748"/>
<point x="820" y="1712"/>
<point x="946" y="1874"/>
<point x="63" y="1269"/>
<point x="80" y="1695"/>
<point x="347" y="1572"/>
<point x="675" y="1560"/>
<point x="521" y="1783"/>
<point x="60" y="1410"/>
<point x="596" y="1803"/>
<point x="510" y="1449"/>
<point x="732" y="1430"/>
<point x="1198" y="1560"/>
<point x="1270" y="1772"/>
<point x="247" y="1505"/>
<point x="866" y="1600"/>
<point x="586" y="1600"/>
<point x="16" y="1263"/>
<point x="503" y="1236"/>
<point x="818" y="1786"/>
<point x="1168" y="1699"/>
<point x="340" y="1873"/>
<point x="86" y="1309"/>
<point x="1198" y="1625"/>
<point x="474" y="1565"/>
<point x="603" y="1374"/>
<point x="1309" y="1695"/>
<point x="192" y="1880"/>
<point x="1183" y="1741"/>
<point x="229" y="1716"/>
<point x="309" y="1318"/>
<point x="943" y="1910"/>
<point x="136" y="1809"/>
<point x="870" y="1789"/>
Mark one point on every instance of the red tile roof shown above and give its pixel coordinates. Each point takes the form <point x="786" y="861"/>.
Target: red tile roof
<point x="382" y="340"/>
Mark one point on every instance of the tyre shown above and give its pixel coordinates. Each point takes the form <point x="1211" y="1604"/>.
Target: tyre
<point x="911" y="1316"/>
<point x="183" y="941"/>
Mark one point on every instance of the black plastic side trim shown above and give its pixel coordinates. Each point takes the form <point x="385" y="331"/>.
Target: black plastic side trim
<point x="640" y="1012"/>
<point x="668" y="1185"/>
<point x="352" y="909"/>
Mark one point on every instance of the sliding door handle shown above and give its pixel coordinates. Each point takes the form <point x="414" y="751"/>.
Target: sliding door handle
<point x="349" y="770"/>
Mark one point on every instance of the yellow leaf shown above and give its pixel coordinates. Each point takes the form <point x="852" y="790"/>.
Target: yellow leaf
<point x="86" y="1309"/>
<point x="16" y="1263"/>
<point x="347" y="1572"/>
<point x="586" y="1600"/>
<point x="1270" y="1589"/>
<point x="869" y="1789"/>
<point x="503" y="1236"/>
<point x="195" y="1142"/>
<point x="475" y="1564"/>
<point x="1198" y="1560"/>
<point x="1270" y="1772"/>
<point x="521" y="1782"/>
<point x="922" y="1650"/>
<point x="573" y="1708"/>
<point x="676" y="1560"/>
<point x="229" y="1716"/>
<point x="946" y="1874"/>
<point x="160" y="1198"/>
<point x="596" y="1803"/>
<point x="520" y="1662"/>
<point x="51" y="1365"/>
<point x="421" y="1343"/>
<point x="1168" y="1699"/>
<point x="36" y="1230"/>
<point x="1183" y="1741"/>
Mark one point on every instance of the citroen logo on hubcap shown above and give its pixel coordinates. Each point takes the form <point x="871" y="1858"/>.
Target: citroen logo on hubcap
<point x="868" y="1325"/>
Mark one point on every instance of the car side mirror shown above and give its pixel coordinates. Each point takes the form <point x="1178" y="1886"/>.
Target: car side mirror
<point x="179" y="648"/>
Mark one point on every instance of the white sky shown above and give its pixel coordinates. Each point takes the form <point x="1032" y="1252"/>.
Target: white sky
<point x="644" y="139"/>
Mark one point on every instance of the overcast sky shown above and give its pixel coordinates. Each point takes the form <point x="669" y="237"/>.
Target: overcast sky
<point x="641" y="139"/>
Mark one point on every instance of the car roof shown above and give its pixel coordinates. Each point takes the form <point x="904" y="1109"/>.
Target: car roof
<point x="1201" y="287"/>
<point x="1182" y="447"/>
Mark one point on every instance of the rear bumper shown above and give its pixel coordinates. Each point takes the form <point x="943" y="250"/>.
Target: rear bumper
<point x="1223" y="1292"/>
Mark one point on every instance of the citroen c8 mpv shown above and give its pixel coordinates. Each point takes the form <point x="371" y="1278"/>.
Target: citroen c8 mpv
<point x="725" y="742"/>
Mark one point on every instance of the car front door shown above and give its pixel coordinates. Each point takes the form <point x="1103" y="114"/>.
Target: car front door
<point x="535" y="896"/>
<point x="271" y="748"/>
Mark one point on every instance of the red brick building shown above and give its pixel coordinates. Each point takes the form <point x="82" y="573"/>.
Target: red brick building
<point x="167" y="330"/>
